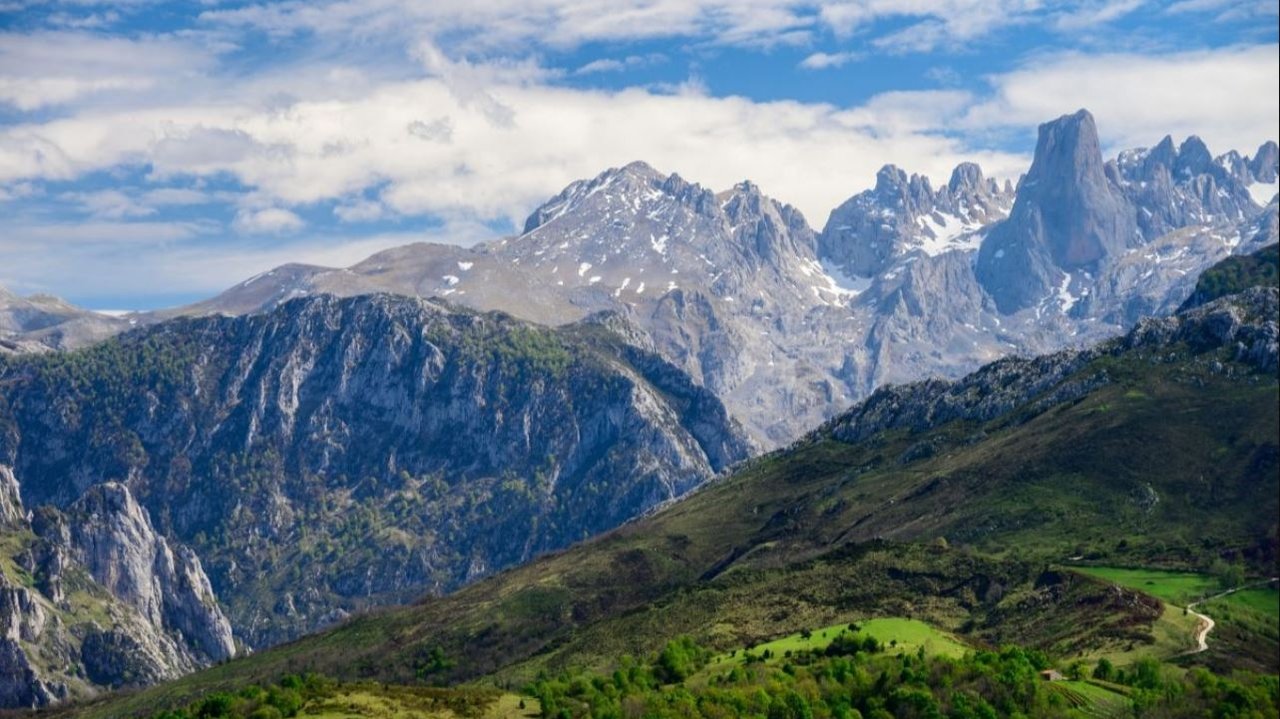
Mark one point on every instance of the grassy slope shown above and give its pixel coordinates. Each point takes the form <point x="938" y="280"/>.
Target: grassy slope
<point x="1247" y="633"/>
<point x="1179" y="588"/>
<point x="786" y="542"/>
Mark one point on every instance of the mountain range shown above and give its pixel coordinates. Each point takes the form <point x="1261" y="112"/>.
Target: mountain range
<point x="788" y="326"/>
<point x="952" y="501"/>
<point x="314" y="442"/>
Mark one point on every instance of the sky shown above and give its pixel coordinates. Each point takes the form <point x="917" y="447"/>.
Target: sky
<point x="153" y="153"/>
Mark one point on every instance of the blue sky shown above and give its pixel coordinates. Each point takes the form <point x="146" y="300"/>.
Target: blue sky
<point x="152" y="153"/>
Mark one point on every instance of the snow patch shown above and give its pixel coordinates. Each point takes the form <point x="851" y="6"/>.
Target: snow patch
<point x="951" y="233"/>
<point x="830" y="279"/>
<point x="582" y="269"/>
<point x="450" y="280"/>
<point x="1066" y="300"/>
<point x="1262" y="192"/>
<point x="464" y="266"/>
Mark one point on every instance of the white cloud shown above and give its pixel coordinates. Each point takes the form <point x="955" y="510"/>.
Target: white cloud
<point x="272" y="220"/>
<point x="505" y="24"/>
<point x="939" y="22"/>
<point x="438" y="130"/>
<point x="824" y="60"/>
<point x="52" y="68"/>
<point x="1226" y="10"/>
<point x="1095" y="13"/>
<point x="110" y="204"/>
<point x="1137" y="99"/>
<point x="360" y="211"/>
<point x="610" y="64"/>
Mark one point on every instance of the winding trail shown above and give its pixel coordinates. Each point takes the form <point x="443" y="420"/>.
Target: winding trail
<point x="1207" y="623"/>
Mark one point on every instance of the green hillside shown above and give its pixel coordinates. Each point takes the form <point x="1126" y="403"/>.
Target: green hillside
<point x="1237" y="273"/>
<point x="1159" y="453"/>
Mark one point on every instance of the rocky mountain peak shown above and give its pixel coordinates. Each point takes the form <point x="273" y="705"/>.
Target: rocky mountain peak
<point x="1193" y="158"/>
<point x="904" y="215"/>
<point x="967" y="177"/>
<point x="1067" y="149"/>
<point x="1164" y="154"/>
<point x="631" y="180"/>
<point x="1264" y="162"/>
<point x="1068" y="216"/>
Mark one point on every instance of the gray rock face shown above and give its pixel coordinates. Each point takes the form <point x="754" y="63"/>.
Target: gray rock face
<point x="113" y="538"/>
<point x="162" y="619"/>
<point x="1068" y="216"/>
<point x="1171" y="189"/>
<point x="20" y="684"/>
<point x="1264" y="162"/>
<point x="903" y="215"/>
<point x="11" y="513"/>
<point x="336" y="454"/>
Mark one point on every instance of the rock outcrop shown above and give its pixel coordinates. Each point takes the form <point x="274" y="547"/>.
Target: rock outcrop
<point x="107" y="606"/>
<point x="903" y="215"/>
<point x="1068" y="217"/>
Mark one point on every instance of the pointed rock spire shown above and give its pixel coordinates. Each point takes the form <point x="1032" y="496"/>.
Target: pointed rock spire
<point x="1067" y="216"/>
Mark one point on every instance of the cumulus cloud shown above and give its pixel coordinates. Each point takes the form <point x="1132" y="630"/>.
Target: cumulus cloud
<point x="824" y="60"/>
<point x="272" y="220"/>
<point x="1138" y="99"/>
<point x="50" y="68"/>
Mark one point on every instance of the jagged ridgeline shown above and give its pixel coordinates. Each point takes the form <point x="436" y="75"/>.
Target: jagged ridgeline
<point x="1158" y="447"/>
<point x="334" y="454"/>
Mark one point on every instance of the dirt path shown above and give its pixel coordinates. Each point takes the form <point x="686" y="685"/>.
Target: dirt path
<point x="1206" y="623"/>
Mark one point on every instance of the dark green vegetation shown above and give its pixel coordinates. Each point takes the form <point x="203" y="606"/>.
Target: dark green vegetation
<point x="956" y="504"/>
<point x="319" y="698"/>
<point x="856" y="676"/>
<point x="338" y="454"/>
<point x="1236" y="273"/>
<point x="852" y="674"/>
